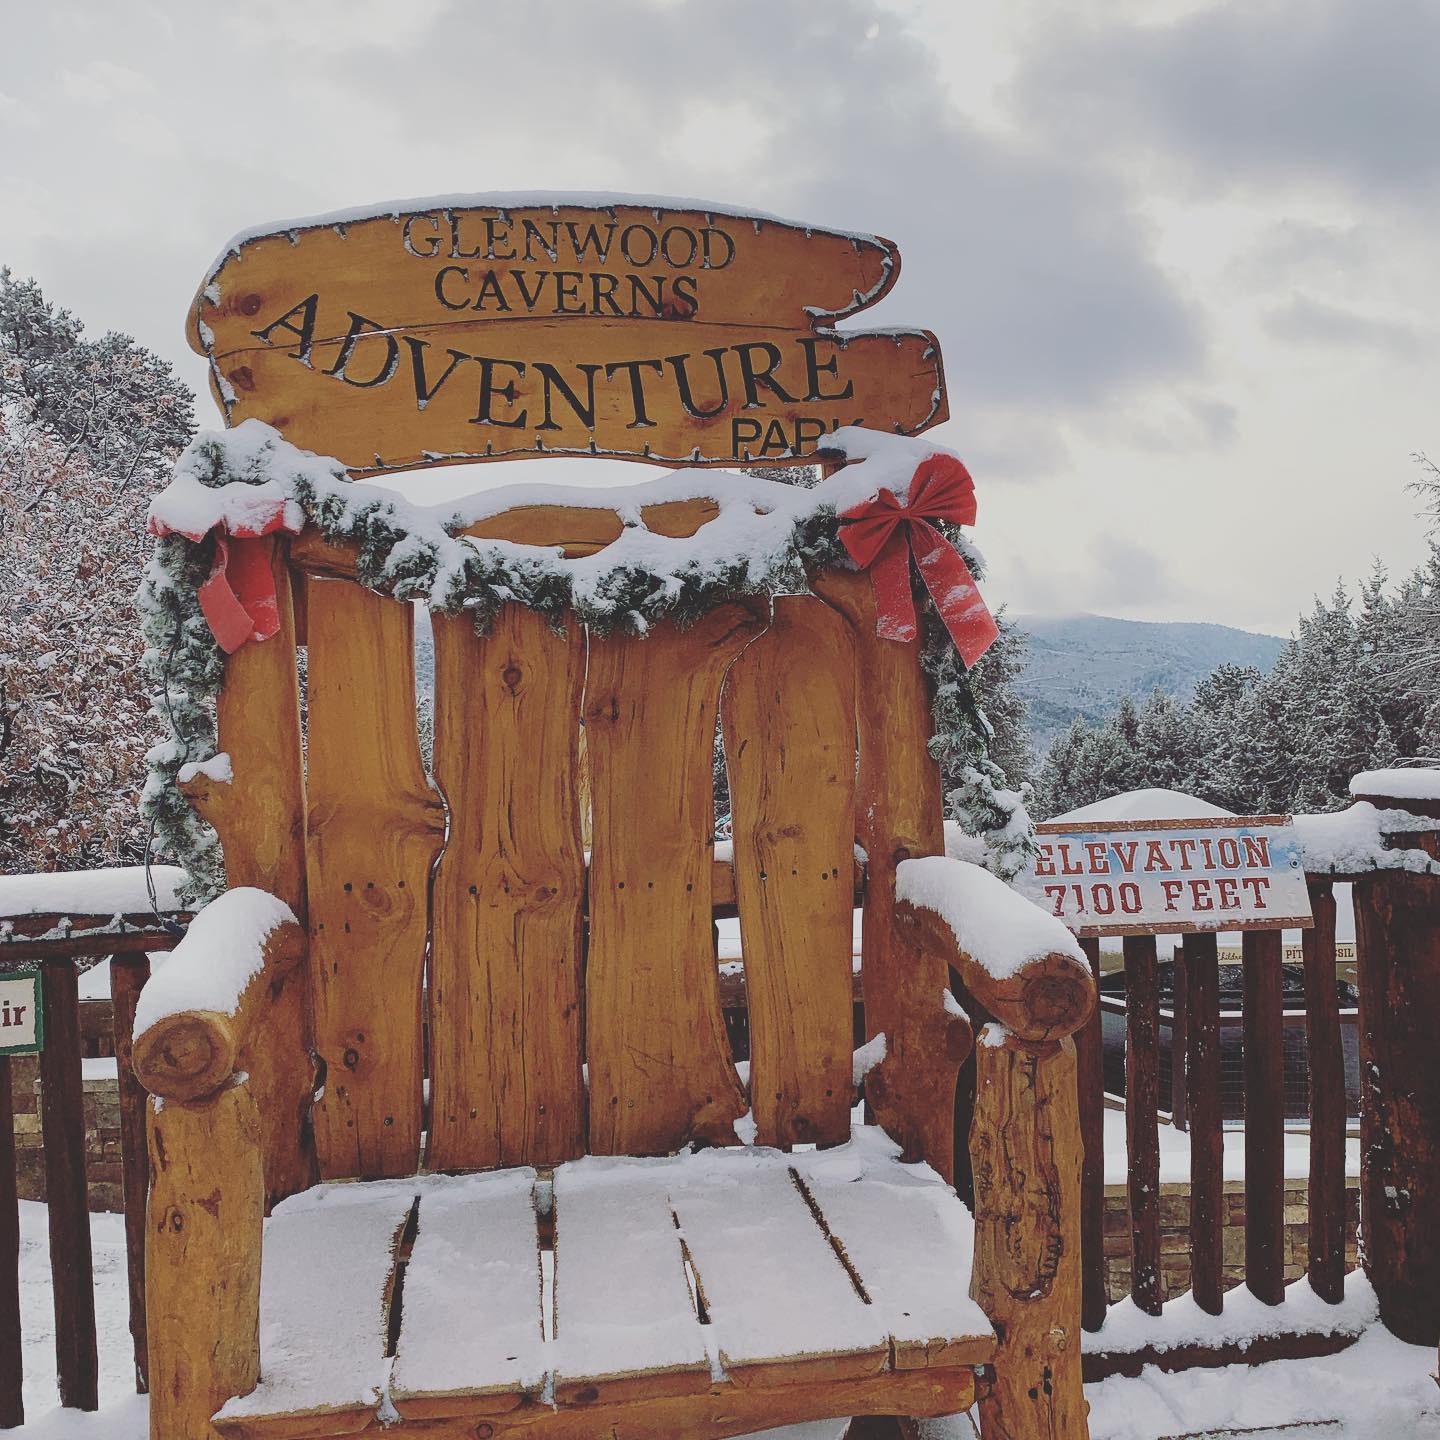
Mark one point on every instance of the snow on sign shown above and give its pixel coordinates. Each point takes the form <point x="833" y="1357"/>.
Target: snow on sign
<point x="22" y="1024"/>
<point x="1153" y="877"/>
<point x="493" y="327"/>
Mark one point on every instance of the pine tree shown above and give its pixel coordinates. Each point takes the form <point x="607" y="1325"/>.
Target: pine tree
<point x="87" y="432"/>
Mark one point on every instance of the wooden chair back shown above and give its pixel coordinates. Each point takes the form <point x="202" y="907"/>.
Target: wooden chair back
<point x="560" y="1001"/>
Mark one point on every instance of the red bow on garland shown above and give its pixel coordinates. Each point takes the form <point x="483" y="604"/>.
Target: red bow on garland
<point x="238" y="598"/>
<point x="885" y="532"/>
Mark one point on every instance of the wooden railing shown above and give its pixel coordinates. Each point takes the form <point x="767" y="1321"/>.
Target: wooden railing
<point x="1198" y="1016"/>
<point x="58" y="946"/>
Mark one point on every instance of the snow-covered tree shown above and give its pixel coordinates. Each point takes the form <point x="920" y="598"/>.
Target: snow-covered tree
<point x="88" y="429"/>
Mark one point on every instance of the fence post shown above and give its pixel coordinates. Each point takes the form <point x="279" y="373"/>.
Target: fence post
<point x="1397" y="954"/>
<point x="12" y="1405"/>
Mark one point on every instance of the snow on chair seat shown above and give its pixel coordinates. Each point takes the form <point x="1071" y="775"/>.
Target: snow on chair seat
<point x="705" y="1273"/>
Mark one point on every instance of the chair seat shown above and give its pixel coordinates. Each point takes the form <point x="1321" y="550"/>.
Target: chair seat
<point x="703" y="1275"/>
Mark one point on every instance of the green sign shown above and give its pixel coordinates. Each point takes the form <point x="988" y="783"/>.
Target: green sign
<point x="22" y="1015"/>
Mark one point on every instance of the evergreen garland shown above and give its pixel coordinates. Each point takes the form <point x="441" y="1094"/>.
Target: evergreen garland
<point x="478" y="577"/>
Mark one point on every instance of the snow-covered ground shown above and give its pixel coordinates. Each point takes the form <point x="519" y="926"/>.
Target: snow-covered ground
<point x="1380" y="1389"/>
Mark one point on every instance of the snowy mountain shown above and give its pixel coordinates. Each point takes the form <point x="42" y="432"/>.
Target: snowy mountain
<point x="1083" y="664"/>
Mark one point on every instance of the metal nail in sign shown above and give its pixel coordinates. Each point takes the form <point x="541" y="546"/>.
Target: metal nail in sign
<point x="498" y="327"/>
<point x="22" y="1015"/>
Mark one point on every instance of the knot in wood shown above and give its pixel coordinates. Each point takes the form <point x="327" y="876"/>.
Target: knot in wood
<point x="512" y="675"/>
<point x="248" y="304"/>
<point x="484" y="1430"/>
<point x="352" y="1058"/>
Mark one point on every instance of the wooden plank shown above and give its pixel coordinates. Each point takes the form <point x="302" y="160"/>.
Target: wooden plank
<point x="910" y="1245"/>
<point x="12" y="1404"/>
<point x="772" y="1287"/>
<point x="1253" y="1350"/>
<point x="1207" y="1141"/>
<point x="722" y="1410"/>
<point x="1264" y="1116"/>
<point x="1090" y="1078"/>
<point x="911" y="1093"/>
<point x="660" y="1070"/>
<point x="789" y="719"/>
<point x="470" y="1322"/>
<point x="375" y="826"/>
<point x="1179" y="1041"/>
<point x="260" y="817"/>
<point x="508" y="896"/>
<point x="62" y="1098"/>
<point x="625" y="1320"/>
<point x="202" y="1270"/>
<point x="1142" y="1105"/>
<point x="326" y="1292"/>
<point x="1327" y="1100"/>
<point x="127" y="977"/>
<point x="1027" y="1236"/>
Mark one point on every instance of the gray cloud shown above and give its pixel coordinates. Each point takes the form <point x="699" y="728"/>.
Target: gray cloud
<point x="1304" y="320"/>
<point x="1029" y="265"/>
<point x="1283" y="90"/>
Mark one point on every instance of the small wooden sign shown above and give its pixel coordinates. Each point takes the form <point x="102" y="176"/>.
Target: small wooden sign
<point x="1157" y="877"/>
<point x="22" y="1013"/>
<point x="464" y="332"/>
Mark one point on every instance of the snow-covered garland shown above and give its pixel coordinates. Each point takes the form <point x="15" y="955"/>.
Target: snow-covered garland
<point x="762" y="542"/>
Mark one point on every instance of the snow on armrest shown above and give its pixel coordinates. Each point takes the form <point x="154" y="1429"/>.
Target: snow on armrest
<point x="193" y="1013"/>
<point x="1021" y="964"/>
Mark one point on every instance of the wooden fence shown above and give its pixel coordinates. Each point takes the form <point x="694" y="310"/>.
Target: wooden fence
<point x="1198" y="1018"/>
<point x="58" y="946"/>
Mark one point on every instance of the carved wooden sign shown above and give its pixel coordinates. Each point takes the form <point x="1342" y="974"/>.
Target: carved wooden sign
<point x="496" y="330"/>
<point x="22" y="1016"/>
<point x="1161" y="877"/>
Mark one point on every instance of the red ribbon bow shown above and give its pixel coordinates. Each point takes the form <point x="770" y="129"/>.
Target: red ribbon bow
<point x="238" y="598"/>
<point x="885" y="532"/>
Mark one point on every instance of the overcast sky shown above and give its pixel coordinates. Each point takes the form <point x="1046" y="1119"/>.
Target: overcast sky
<point x="1183" y="258"/>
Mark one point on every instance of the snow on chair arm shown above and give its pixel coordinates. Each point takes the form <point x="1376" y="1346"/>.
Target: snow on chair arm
<point x="1021" y="964"/>
<point x="196" y="1011"/>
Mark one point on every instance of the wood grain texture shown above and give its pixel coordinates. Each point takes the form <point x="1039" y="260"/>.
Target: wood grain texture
<point x="260" y="818"/>
<point x="1027" y="1157"/>
<point x="508" y="896"/>
<point x="375" y="826"/>
<point x="202" y="1275"/>
<point x="1090" y="1081"/>
<point x="1264" y="1116"/>
<point x="1207" y="1140"/>
<point x="724" y="1410"/>
<point x="788" y="710"/>
<point x="898" y="804"/>
<point x="12" y="1403"/>
<point x="1398" y="958"/>
<point x="1142" y="1106"/>
<point x="660" y="1068"/>
<point x="357" y="400"/>
<point x="62" y="1104"/>
<point x="1326" y="1065"/>
<point x="127" y="977"/>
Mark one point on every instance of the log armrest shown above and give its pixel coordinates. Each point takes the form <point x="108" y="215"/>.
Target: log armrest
<point x="1021" y="964"/>
<point x="197" y="1013"/>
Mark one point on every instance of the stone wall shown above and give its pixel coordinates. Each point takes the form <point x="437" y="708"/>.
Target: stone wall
<point x="102" y="1132"/>
<point x="1175" y="1235"/>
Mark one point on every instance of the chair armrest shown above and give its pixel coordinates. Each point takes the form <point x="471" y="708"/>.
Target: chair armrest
<point x="1021" y="964"/>
<point x="199" y="1010"/>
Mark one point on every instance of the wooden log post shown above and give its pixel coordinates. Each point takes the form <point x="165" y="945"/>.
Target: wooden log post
<point x="128" y="974"/>
<point x="202" y="1271"/>
<point x="1327" y="1100"/>
<point x="1207" y="1138"/>
<point x="1026" y="1151"/>
<point x="62" y="1101"/>
<point x="12" y="1405"/>
<point x="1142" y="1122"/>
<point x="1397" y="935"/>
<point x="1264" y="1116"/>
<point x="1090" y="1075"/>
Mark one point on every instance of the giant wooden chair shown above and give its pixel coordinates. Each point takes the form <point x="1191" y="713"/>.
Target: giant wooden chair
<point x="511" y="1050"/>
